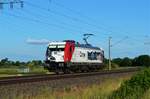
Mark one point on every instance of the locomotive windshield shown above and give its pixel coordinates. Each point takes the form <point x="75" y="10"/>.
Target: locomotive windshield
<point x="55" y="49"/>
<point x="52" y="48"/>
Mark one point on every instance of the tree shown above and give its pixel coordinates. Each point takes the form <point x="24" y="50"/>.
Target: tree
<point x="142" y="60"/>
<point x="4" y="61"/>
<point x="37" y="62"/>
<point x="126" y="62"/>
<point x="17" y="63"/>
<point x="135" y="61"/>
<point x="117" y="61"/>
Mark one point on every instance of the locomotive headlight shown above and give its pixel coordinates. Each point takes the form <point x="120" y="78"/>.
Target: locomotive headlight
<point x="48" y="58"/>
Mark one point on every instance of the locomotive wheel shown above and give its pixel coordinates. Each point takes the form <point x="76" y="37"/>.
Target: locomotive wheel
<point x="57" y="72"/>
<point x="67" y="71"/>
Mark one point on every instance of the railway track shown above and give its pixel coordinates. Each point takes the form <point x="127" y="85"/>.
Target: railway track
<point x="48" y="77"/>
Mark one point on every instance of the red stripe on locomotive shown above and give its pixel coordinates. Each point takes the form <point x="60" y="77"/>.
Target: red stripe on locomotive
<point x="68" y="52"/>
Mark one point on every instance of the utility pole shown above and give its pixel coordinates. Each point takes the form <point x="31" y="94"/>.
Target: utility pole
<point x="109" y="52"/>
<point x="109" y="49"/>
<point x="11" y="3"/>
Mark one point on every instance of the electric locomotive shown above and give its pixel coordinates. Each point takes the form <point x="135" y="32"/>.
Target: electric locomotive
<point x="70" y="56"/>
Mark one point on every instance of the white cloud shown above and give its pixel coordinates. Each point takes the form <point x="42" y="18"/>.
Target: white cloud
<point x="37" y="41"/>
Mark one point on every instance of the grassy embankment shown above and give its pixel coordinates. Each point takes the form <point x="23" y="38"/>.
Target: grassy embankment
<point x="138" y="87"/>
<point x="101" y="91"/>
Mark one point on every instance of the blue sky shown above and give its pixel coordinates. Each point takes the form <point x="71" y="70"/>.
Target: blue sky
<point x="70" y="19"/>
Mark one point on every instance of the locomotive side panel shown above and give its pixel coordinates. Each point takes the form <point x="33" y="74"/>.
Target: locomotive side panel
<point x="87" y="55"/>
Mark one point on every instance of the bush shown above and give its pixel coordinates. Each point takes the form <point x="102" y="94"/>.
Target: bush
<point x="135" y="87"/>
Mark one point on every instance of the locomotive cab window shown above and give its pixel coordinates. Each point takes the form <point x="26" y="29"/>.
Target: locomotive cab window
<point x="56" y="47"/>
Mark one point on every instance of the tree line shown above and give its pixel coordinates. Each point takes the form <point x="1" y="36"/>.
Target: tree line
<point x="142" y="60"/>
<point x="8" y="63"/>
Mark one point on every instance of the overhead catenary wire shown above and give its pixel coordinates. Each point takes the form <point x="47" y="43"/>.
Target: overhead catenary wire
<point x="44" y="16"/>
<point x="39" y="21"/>
<point x="44" y="9"/>
<point x="18" y="17"/>
<point x="114" y="44"/>
<point x="107" y="33"/>
<point x="67" y="16"/>
<point x="85" y="17"/>
<point x="30" y="40"/>
<point x="73" y="26"/>
<point x="74" y="11"/>
<point x="63" y="23"/>
<point x="93" y="21"/>
<point x="41" y="16"/>
<point x="19" y="27"/>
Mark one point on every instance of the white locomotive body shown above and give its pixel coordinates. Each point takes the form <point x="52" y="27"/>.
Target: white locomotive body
<point x="71" y="56"/>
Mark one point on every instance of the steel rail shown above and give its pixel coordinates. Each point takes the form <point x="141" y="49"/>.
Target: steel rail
<point x="48" y="77"/>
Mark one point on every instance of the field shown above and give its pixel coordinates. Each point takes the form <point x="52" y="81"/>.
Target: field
<point x="6" y="72"/>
